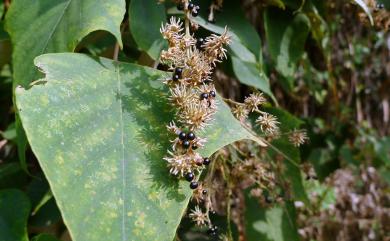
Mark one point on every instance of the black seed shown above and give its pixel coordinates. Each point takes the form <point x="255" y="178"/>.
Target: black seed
<point x="179" y="71"/>
<point x="194" y="185"/>
<point x="175" y="77"/>
<point x="186" y="144"/>
<point x="204" y="192"/>
<point x="191" y="136"/>
<point x="213" y="94"/>
<point x="191" y="6"/>
<point x="194" y="13"/>
<point x="190" y="176"/>
<point x="182" y="136"/>
<point x="204" y="96"/>
<point x="212" y="231"/>
<point x="199" y="43"/>
<point x="180" y="6"/>
<point x="206" y="161"/>
<point x="194" y="147"/>
<point x="380" y="5"/>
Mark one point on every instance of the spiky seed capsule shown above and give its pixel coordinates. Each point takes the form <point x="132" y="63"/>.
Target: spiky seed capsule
<point x="190" y="176"/>
<point x="194" y="185"/>
<point x="179" y="71"/>
<point x="175" y="77"/>
<point x="191" y="6"/>
<point x="186" y="144"/>
<point x="191" y="136"/>
<point x="206" y="161"/>
<point x="213" y="94"/>
<point x="204" y="96"/>
<point x="182" y="136"/>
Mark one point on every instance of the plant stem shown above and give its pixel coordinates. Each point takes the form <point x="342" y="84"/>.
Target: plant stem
<point x="116" y="52"/>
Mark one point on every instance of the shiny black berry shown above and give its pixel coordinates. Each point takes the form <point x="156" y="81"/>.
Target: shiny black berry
<point x="186" y="144"/>
<point x="180" y="6"/>
<point x="191" y="6"/>
<point x="191" y="136"/>
<point x="212" y="231"/>
<point x="179" y="71"/>
<point x="194" y="13"/>
<point x="182" y="136"/>
<point x="199" y="43"/>
<point x="213" y="94"/>
<point x="190" y="176"/>
<point x="380" y="6"/>
<point x="204" y="192"/>
<point x="206" y="161"/>
<point x="175" y="77"/>
<point x="194" y="147"/>
<point x="194" y="185"/>
<point x="204" y="96"/>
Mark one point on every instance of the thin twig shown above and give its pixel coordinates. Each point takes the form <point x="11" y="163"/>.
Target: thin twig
<point x="116" y="52"/>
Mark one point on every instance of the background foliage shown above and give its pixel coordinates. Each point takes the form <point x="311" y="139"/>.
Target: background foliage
<point x="323" y="64"/>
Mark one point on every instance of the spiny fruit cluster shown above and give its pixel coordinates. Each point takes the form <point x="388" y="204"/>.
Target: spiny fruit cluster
<point x="193" y="95"/>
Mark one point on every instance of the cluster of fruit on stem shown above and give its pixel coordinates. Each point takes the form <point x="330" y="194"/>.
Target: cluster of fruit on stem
<point x="193" y="95"/>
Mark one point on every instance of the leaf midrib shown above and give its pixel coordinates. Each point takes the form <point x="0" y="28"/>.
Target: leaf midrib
<point x="55" y="27"/>
<point x="124" y="238"/>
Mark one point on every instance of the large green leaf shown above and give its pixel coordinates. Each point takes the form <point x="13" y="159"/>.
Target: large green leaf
<point x="14" y="212"/>
<point x="98" y="130"/>
<point x="47" y="26"/>
<point x="145" y="18"/>
<point x="246" y="43"/>
<point x="286" y="36"/>
<point x="270" y="224"/>
<point x="251" y="74"/>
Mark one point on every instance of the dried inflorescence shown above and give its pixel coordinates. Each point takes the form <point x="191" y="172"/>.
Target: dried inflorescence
<point x="193" y="95"/>
<point x="361" y="210"/>
<point x="379" y="13"/>
<point x="298" y="137"/>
